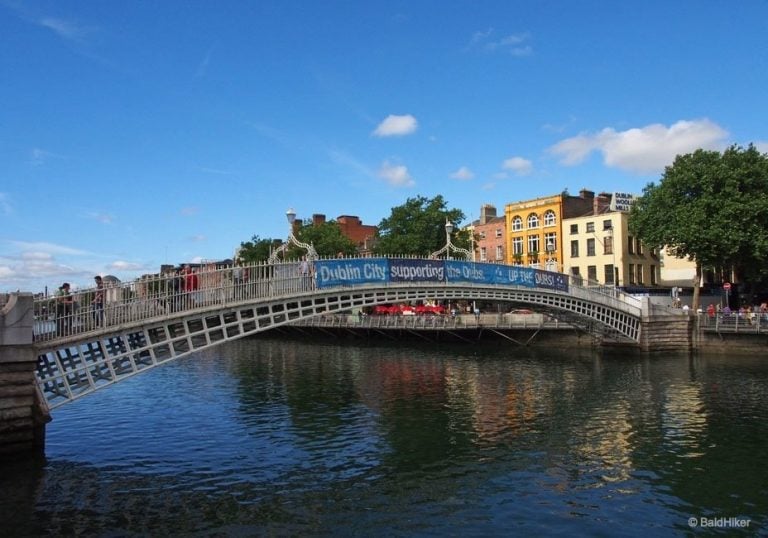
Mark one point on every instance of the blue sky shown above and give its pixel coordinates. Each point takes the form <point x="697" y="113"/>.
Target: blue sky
<point x="138" y="133"/>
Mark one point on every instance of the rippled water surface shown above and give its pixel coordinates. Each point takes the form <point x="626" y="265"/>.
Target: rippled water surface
<point x="266" y="437"/>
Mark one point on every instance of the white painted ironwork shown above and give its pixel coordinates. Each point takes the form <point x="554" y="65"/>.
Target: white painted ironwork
<point x="311" y="252"/>
<point x="155" y="319"/>
<point x="449" y="246"/>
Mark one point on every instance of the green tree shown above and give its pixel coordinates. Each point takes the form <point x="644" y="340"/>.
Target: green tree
<point x="256" y="250"/>
<point x="418" y="228"/>
<point x="326" y="238"/>
<point x="710" y="208"/>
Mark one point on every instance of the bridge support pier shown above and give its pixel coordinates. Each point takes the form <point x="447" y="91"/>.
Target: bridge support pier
<point x="662" y="330"/>
<point x="22" y="416"/>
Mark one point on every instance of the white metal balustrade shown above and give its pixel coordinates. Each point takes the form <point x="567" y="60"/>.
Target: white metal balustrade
<point x="152" y="320"/>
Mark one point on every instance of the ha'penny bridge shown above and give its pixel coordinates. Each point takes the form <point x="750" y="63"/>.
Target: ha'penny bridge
<point x="51" y="355"/>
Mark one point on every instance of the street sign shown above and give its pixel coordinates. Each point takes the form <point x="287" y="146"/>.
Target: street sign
<point x="727" y="286"/>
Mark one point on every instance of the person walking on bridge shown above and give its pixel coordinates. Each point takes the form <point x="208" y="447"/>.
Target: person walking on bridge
<point x="64" y="310"/>
<point x="98" y="302"/>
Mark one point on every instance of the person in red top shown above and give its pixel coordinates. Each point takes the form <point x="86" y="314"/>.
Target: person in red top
<point x="190" y="283"/>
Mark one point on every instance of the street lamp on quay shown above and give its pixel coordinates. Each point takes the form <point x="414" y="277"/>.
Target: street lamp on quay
<point x="450" y="246"/>
<point x="311" y="252"/>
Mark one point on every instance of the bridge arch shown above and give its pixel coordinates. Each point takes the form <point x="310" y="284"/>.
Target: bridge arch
<point x="72" y="366"/>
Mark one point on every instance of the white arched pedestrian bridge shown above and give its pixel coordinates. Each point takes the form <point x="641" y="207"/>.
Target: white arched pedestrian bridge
<point x="156" y="319"/>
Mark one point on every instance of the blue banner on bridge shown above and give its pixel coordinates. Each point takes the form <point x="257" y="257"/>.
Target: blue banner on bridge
<point x="416" y="270"/>
<point x="372" y="270"/>
<point x="489" y="273"/>
<point x="349" y="272"/>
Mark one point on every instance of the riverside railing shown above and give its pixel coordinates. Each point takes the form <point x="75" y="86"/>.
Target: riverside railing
<point x="173" y="293"/>
<point x="734" y="322"/>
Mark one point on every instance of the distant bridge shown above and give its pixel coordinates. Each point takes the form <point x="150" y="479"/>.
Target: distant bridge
<point x="153" y="320"/>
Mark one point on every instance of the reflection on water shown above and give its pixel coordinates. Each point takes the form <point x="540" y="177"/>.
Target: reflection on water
<point x="271" y="437"/>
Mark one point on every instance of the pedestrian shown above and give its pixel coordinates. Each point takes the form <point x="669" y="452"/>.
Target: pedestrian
<point x="98" y="302"/>
<point x="64" y="310"/>
<point x="191" y="284"/>
<point x="304" y="273"/>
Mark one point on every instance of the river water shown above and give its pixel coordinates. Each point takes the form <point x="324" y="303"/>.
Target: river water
<point x="310" y="438"/>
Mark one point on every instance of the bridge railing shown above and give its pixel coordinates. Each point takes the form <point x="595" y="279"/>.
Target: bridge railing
<point x="173" y="293"/>
<point x="163" y="295"/>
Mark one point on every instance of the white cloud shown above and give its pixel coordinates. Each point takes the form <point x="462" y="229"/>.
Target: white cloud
<point x="761" y="145"/>
<point x="103" y="218"/>
<point x="43" y="247"/>
<point x="513" y="44"/>
<point x="39" y="157"/>
<point x="65" y="29"/>
<point x="463" y="174"/>
<point x="5" y="204"/>
<point x="36" y="256"/>
<point x="396" y="126"/>
<point x="190" y="211"/>
<point x="198" y="238"/>
<point x="642" y="150"/>
<point x="125" y="266"/>
<point x="396" y="175"/>
<point x="518" y="165"/>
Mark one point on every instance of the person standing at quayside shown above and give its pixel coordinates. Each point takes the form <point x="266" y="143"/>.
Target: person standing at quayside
<point x="98" y="302"/>
<point x="64" y="303"/>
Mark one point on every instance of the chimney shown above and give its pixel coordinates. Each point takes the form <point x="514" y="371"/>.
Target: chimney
<point x="602" y="203"/>
<point x="318" y="219"/>
<point x="586" y="194"/>
<point x="487" y="212"/>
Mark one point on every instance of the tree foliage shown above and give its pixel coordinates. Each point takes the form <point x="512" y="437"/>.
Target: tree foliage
<point x="256" y="250"/>
<point x="711" y="208"/>
<point x="326" y="238"/>
<point x="418" y="228"/>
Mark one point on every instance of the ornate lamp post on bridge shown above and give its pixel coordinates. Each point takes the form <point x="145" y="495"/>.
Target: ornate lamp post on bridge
<point x="311" y="252"/>
<point x="450" y="246"/>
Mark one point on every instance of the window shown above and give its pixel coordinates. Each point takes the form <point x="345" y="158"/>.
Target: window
<point x="517" y="245"/>
<point x="550" y="241"/>
<point x="498" y="232"/>
<point x="574" y="249"/>
<point x="592" y="273"/>
<point x="576" y="276"/>
<point x="550" y="219"/>
<point x="639" y="274"/>
<point x="533" y="244"/>
<point x="517" y="223"/>
<point x="482" y="235"/>
<point x="533" y="220"/>
<point x="483" y="256"/>
<point x="609" y="275"/>
<point x="608" y="245"/>
<point x="499" y="252"/>
<point x="631" y="245"/>
<point x="639" y="247"/>
<point x="631" y="273"/>
<point x="591" y="227"/>
<point x="653" y="275"/>
<point x="607" y="225"/>
<point x="574" y="229"/>
<point x="590" y="247"/>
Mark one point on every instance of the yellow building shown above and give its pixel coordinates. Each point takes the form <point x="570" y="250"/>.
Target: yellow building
<point x="534" y="228"/>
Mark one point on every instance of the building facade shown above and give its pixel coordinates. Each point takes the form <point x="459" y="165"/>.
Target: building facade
<point x="534" y="228"/>
<point x="490" y="236"/>
<point x="599" y="249"/>
<point x="351" y="227"/>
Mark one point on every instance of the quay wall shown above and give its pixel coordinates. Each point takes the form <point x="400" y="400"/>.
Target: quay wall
<point x="22" y="418"/>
